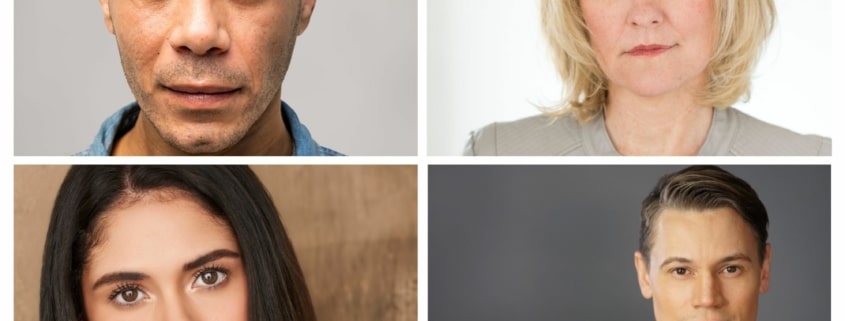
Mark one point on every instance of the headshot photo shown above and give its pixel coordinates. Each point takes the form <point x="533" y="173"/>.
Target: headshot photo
<point x="204" y="77"/>
<point x="635" y="242"/>
<point x="155" y="242"/>
<point x="610" y="78"/>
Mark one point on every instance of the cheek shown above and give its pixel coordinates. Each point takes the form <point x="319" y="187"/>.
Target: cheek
<point x="745" y="291"/>
<point x="671" y="297"/>
<point x="225" y="303"/>
<point x="603" y="32"/>
<point x="140" y="36"/>
<point x="698" y="18"/>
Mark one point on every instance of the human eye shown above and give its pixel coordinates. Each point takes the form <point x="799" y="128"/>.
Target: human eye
<point x="732" y="270"/>
<point x="679" y="271"/>
<point x="127" y="295"/>
<point x="210" y="277"/>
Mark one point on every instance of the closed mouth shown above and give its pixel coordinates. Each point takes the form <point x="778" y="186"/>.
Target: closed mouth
<point x="649" y="50"/>
<point x="201" y="89"/>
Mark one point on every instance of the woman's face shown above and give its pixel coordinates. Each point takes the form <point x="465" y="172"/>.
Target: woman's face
<point x="651" y="47"/>
<point x="164" y="257"/>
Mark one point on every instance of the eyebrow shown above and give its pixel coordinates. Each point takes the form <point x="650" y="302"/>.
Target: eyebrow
<point x="119" y="276"/>
<point x="210" y="257"/>
<point x="136" y="276"/>
<point x="729" y="258"/>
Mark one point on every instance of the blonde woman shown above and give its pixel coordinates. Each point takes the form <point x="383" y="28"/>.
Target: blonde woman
<point x="650" y="78"/>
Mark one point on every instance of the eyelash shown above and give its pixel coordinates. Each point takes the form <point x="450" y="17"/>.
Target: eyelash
<point x="674" y="271"/>
<point x="123" y="288"/>
<point x="213" y="269"/>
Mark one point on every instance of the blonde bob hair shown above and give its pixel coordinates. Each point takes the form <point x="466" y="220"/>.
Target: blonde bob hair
<point x="742" y="27"/>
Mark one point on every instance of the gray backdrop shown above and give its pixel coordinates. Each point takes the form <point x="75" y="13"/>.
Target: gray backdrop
<point x="557" y="242"/>
<point x="352" y="80"/>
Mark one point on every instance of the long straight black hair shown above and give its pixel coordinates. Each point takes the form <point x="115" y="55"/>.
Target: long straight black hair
<point x="276" y="286"/>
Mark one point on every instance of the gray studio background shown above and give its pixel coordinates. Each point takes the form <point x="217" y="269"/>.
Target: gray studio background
<point x="352" y="80"/>
<point x="557" y="242"/>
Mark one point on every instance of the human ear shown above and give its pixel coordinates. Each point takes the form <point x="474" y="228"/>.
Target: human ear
<point x="304" y="16"/>
<point x="765" y="271"/>
<point x="642" y="274"/>
<point x="104" y="4"/>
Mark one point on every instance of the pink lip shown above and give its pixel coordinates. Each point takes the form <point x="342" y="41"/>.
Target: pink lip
<point x="650" y="50"/>
<point x="201" y="96"/>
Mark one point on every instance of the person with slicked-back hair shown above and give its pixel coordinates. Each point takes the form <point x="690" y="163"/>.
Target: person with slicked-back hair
<point x="153" y="242"/>
<point x="703" y="251"/>
<point x="650" y="78"/>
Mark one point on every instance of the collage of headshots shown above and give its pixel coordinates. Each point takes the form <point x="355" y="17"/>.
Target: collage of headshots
<point x="304" y="160"/>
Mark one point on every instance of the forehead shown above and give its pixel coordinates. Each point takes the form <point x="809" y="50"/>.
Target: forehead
<point x="155" y="232"/>
<point x="704" y="236"/>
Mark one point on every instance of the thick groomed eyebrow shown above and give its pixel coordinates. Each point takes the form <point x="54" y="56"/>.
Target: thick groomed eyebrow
<point x="729" y="258"/>
<point x="135" y="276"/>
<point x="210" y="257"/>
<point x="119" y="277"/>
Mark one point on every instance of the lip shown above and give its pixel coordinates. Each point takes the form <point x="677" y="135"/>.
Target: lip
<point x="195" y="96"/>
<point x="648" y="50"/>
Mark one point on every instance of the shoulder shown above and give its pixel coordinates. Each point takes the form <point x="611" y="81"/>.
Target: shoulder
<point x="303" y="143"/>
<point x="110" y="131"/>
<point x="758" y="138"/>
<point x="532" y="136"/>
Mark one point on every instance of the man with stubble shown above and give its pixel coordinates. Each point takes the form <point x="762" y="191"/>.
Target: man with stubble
<point x="207" y="76"/>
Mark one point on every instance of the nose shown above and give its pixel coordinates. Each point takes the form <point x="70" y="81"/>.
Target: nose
<point x="645" y="13"/>
<point x="174" y="308"/>
<point x="708" y="292"/>
<point x="199" y="28"/>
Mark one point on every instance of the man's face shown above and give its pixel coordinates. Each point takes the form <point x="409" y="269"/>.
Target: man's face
<point x="704" y="265"/>
<point x="204" y="71"/>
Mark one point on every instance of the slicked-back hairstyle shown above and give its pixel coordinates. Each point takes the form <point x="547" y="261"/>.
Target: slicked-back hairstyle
<point x="702" y="188"/>
<point x="742" y="28"/>
<point x="275" y="283"/>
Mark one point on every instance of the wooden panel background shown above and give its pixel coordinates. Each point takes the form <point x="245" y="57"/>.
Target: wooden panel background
<point x="354" y="229"/>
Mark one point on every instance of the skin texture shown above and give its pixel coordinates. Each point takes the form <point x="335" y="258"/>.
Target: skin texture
<point x="651" y="107"/>
<point x="206" y="73"/>
<point x="704" y="265"/>
<point x="157" y="236"/>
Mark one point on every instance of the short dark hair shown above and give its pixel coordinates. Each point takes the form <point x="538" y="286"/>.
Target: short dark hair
<point x="275" y="283"/>
<point x="702" y="188"/>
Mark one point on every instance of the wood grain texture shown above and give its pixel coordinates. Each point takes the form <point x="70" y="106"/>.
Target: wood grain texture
<point x="354" y="229"/>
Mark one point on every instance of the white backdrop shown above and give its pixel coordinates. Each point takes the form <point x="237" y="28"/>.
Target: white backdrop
<point x="487" y="62"/>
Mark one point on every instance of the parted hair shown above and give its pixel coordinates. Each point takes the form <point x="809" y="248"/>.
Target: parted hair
<point x="742" y="28"/>
<point x="275" y="283"/>
<point x="702" y="188"/>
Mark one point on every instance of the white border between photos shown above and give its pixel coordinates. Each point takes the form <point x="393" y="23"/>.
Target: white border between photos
<point x="422" y="168"/>
<point x="7" y="276"/>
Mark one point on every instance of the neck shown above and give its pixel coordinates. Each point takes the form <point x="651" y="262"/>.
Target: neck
<point x="268" y="136"/>
<point x="671" y="124"/>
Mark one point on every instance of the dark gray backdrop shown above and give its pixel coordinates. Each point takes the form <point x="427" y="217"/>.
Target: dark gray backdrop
<point x="557" y="242"/>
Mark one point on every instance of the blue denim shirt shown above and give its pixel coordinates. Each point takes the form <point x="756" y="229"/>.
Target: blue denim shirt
<point x="303" y="144"/>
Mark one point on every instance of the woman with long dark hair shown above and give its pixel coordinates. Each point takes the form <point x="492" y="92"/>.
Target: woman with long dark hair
<point x="153" y="242"/>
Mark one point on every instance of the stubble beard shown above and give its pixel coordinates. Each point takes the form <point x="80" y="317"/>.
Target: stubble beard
<point x="214" y="143"/>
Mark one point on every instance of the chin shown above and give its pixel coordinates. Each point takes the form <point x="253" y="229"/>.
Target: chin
<point x="200" y="148"/>
<point x="197" y="143"/>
